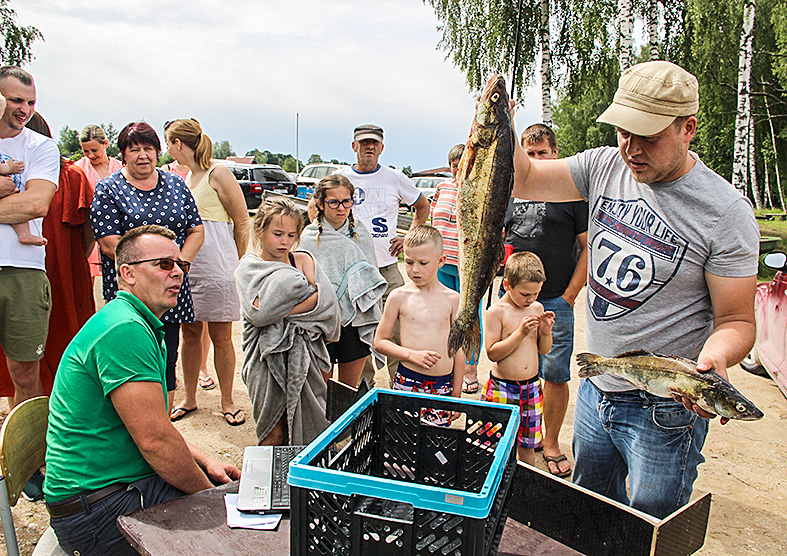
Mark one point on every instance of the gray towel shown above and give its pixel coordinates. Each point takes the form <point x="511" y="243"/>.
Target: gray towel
<point x="357" y="282"/>
<point x="284" y="356"/>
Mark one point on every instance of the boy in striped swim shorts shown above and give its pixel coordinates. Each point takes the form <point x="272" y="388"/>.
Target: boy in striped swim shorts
<point x="517" y="329"/>
<point x="425" y="310"/>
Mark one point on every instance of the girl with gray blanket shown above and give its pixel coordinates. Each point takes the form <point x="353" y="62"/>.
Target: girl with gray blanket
<point x="345" y="252"/>
<point x="289" y="311"/>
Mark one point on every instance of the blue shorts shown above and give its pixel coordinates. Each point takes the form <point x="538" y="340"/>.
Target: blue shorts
<point x="555" y="366"/>
<point x="527" y="395"/>
<point x="412" y="381"/>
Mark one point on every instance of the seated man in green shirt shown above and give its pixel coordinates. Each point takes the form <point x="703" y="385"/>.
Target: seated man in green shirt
<point x="111" y="448"/>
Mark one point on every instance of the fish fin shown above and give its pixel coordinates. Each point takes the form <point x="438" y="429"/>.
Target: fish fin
<point x="587" y="365"/>
<point x="468" y="338"/>
<point x="634" y="353"/>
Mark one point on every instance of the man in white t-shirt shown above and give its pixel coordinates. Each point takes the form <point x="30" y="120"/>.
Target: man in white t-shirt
<point x="24" y="287"/>
<point x="378" y="190"/>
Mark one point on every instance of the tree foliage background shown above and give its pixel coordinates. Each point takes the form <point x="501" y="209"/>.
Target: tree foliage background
<point x="15" y="48"/>
<point x="702" y="36"/>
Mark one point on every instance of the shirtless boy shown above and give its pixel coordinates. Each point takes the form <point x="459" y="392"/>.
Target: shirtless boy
<point x="517" y="329"/>
<point x="425" y="309"/>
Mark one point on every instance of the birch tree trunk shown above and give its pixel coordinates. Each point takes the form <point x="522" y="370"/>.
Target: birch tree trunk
<point x="653" y="29"/>
<point x="775" y="157"/>
<point x="752" y="163"/>
<point x="742" y="120"/>
<point x="767" y="197"/>
<point x="626" y="29"/>
<point x="546" y="66"/>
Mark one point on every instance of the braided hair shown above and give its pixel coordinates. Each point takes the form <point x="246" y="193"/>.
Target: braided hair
<point x="324" y="185"/>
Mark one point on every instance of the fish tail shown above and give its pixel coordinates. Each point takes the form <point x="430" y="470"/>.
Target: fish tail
<point x="466" y="336"/>
<point x="588" y="365"/>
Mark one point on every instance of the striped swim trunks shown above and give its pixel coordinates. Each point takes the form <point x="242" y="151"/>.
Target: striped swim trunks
<point x="527" y="395"/>
<point x="412" y="381"/>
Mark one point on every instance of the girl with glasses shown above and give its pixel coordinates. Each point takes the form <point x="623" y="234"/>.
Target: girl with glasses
<point x="345" y="251"/>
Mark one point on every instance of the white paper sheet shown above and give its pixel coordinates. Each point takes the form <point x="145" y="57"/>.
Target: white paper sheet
<point x="236" y="519"/>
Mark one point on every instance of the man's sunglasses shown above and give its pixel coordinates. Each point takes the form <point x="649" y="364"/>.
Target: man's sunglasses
<point x="166" y="263"/>
<point x="334" y="203"/>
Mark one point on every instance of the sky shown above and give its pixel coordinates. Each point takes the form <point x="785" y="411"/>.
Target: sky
<point x="244" y="69"/>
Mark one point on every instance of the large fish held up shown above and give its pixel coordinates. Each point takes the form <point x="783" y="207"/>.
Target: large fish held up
<point x="485" y="178"/>
<point x="664" y="376"/>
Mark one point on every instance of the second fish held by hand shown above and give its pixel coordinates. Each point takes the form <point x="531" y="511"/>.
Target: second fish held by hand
<point x="666" y="375"/>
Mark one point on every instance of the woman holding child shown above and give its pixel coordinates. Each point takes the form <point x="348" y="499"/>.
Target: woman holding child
<point x="289" y="310"/>
<point x="223" y="211"/>
<point x="345" y="251"/>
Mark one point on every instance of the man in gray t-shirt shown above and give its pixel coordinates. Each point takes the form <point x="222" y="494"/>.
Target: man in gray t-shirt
<point x="672" y="269"/>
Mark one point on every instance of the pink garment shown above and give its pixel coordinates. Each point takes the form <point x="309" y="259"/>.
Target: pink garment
<point x="94" y="260"/>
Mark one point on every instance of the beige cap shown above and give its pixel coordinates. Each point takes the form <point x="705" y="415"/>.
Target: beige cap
<point x="650" y="96"/>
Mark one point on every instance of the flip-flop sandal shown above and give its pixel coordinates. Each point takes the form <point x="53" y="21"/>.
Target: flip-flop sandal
<point x="469" y="386"/>
<point x="233" y="415"/>
<point x="183" y="412"/>
<point x="207" y="383"/>
<point x="556" y="460"/>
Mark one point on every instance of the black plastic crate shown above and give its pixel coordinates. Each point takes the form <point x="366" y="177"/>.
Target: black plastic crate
<point x="382" y="481"/>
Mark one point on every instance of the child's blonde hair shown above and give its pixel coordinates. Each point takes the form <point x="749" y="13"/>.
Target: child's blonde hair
<point x="524" y="267"/>
<point x="269" y="209"/>
<point x="421" y="235"/>
<point x="322" y="188"/>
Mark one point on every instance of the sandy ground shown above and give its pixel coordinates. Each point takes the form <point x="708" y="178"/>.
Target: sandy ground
<point x="746" y="467"/>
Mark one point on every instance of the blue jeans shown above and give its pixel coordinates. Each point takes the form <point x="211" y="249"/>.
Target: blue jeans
<point x="555" y="366"/>
<point x="653" y="440"/>
<point x="448" y="275"/>
<point x="95" y="532"/>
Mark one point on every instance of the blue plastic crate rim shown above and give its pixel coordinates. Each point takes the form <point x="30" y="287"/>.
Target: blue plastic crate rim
<point x="458" y="502"/>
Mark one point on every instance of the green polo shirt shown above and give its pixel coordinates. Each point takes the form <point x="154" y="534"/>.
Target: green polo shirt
<point x="88" y="446"/>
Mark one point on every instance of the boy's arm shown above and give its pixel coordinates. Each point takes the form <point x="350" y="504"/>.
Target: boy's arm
<point x="382" y="336"/>
<point x="458" y="373"/>
<point x="547" y="320"/>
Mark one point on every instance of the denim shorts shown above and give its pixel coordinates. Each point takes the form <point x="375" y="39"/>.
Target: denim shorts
<point x="654" y="441"/>
<point x="95" y="532"/>
<point x="555" y="366"/>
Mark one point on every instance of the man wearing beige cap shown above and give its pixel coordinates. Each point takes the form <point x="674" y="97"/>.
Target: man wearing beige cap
<point x="378" y="191"/>
<point x="672" y="270"/>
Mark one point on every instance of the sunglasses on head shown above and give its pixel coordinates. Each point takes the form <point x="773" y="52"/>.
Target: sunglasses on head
<point x="334" y="203"/>
<point x="165" y="263"/>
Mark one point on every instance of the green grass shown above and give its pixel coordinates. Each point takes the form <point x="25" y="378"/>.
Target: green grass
<point x="775" y="228"/>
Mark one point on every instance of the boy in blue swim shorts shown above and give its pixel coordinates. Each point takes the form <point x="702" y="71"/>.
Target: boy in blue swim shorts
<point x="425" y="310"/>
<point x="516" y="330"/>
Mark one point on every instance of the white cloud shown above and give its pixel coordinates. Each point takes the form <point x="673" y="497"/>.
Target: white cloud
<point x="244" y="69"/>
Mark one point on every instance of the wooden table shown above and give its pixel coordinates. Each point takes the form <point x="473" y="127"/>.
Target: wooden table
<point x="197" y="524"/>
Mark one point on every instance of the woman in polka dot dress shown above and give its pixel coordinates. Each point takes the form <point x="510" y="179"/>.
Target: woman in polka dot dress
<point x="140" y="194"/>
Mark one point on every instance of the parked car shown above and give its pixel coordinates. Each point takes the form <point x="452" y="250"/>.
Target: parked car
<point x="256" y="178"/>
<point x="428" y="184"/>
<point x="769" y="355"/>
<point x="313" y="173"/>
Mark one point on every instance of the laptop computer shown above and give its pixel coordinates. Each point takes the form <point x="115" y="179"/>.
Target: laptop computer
<point x="263" y="481"/>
